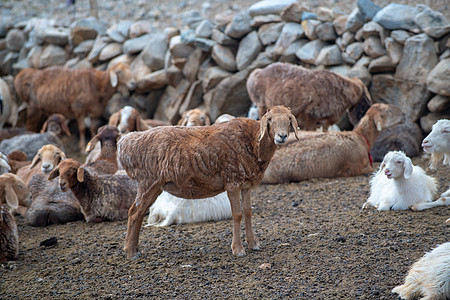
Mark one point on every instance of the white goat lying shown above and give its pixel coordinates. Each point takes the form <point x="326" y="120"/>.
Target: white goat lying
<point x="409" y="184"/>
<point x="438" y="144"/>
<point x="168" y="210"/>
<point x="429" y="277"/>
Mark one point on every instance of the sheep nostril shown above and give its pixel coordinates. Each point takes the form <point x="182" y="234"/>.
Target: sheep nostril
<point x="282" y="136"/>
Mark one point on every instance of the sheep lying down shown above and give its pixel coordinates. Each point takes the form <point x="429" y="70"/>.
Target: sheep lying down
<point x="168" y="209"/>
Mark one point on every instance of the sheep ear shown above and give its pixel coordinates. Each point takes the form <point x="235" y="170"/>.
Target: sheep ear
<point x="113" y="79"/>
<point x="62" y="156"/>
<point x="35" y="161"/>
<point x="11" y="197"/>
<point x="381" y="167"/>
<point x="294" y="125"/>
<point x="408" y="168"/>
<point x="183" y="120"/>
<point x="80" y="174"/>
<point x="53" y="174"/>
<point x="4" y="163"/>
<point x="65" y="128"/>
<point x="92" y="143"/>
<point x="44" y="127"/>
<point x="114" y="119"/>
<point x="378" y="122"/>
<point x="207" y="120"/>
<point x="263" y="127"/>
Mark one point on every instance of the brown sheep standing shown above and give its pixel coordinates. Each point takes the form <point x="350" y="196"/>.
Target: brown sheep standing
<point x="75" y="93"/>
<point x="318" y="98"/>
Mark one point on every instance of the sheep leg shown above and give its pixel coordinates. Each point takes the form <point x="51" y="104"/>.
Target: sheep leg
<point x="425" y="205"/>
<point x="236" y="212"/>
<point x="81" y="130"/>
<point x="136" y="214"/>
<point x="249" y="234"/>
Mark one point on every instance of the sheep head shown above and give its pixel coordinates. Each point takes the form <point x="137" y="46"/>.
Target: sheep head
<point x="120" y="74"/>
<point x="56" y="123"/>
<point x="385" y="115"/>
<point x="396" y="164"/>
<point x="50" y="156"/>
<point x="437" y="142"/>
<point x="104" y="133"/>
<point x="13" y="190"/>
<point x="194" y="117"/>
<point x="70" y="172"/>
<point x="276" y="123"/>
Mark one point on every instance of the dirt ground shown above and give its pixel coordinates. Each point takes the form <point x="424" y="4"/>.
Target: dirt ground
<point x="316" y="243"/>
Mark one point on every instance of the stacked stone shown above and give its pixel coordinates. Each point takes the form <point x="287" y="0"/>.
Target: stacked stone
<point x="402" y="53"/>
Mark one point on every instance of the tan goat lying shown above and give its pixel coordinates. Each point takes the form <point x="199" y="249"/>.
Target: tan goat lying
<point x="75" y="93"/>
<point x="318" y="98"/>
<point x="194" y="117"/>
<point x="203" y="161"/>
<point x="331" y="154"/>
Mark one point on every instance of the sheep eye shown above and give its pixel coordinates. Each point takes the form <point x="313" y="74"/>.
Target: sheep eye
<point x="399" y="162"/>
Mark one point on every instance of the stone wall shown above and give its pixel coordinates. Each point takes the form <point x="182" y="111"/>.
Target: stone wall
<point x="401" y="52"/>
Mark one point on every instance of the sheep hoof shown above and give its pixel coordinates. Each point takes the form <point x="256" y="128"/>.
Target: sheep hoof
<point x="413" y="207"/>
<point x="239" y="252"/>
<point x="256" y="248"/>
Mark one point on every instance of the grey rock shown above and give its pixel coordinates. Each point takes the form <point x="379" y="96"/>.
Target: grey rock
<point x="362" y="73"/>
<point x="348" y="38"/>
<point x="258" y="21"/>
<point x="224" y="57"/>
<point x="204" y="29"/>
<point x="292" y="13"/>
<point x="310" y="26"/>
<point x="52" y="55"/>
<point x="289" y="54"/>
<point x="308" y="53"/>
<point x="326" y="32"/>
<point x="99" y="44"/>
<point x="439" y="77"/>
<point x="15" y="39"/>
<point x="355" y="50"/>
<point x="438" y="103"/>
<point x="373" y="48"/>
<point x="188" y="36"/>
<point x="373" y="29"/>
<point x="192" y="65"/>
<point x="432" y="23"/>
<point x="267" y="7"/>
<point x="139" y="28"/>
<point x="56" y="36"/>
<point x="427" y="121"/>
<point x="191" y="18"/>
<point x="155" y="50"/>
<point x="306" y="15"/>
<point x="410" y="97"/>
<point x="124" y="27"/>
<point x="325" y="14"/>
<point x="354" y="21"/>
<point x="110" y="51"/>
<point x="204" y="44"/>
<point x="6" y="65"/>
<point x="364" y="61"/>
<point x="152" y="81"/>
<point x="178" y="48"/>
<point x="393" y="49"/>
<point x="419" y="57"/>
<point x="136" y="45"/>
<point x="115" y="34"/>
<point x="170" y="102"/>
<point x="239" y="26"/>
<point x="33" y="57"/>
<point x="222" y="38"/>
<point x="290" y="33"/>
<point x="213" y="76"/>
<point x="329" y="56"/>
<point x="341" y="70"/>
<point x="339" y="24"/>
<point x="367" y="9"/>
<point x="445" y="55"/>
<point x="397" y="16"/>
<point x="269" y="33"/>
<point x="381" y="64"/>
<point x="348" y="59"/>
<point x="400" y="36"/>
<point x="86" y="29"/>
<point x="249" y="48"/>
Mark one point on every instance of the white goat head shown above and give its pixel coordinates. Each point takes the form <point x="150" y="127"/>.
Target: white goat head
<point x="277" y="122"/>
<point x="396" y="164"/>
<point x="437" y="142"/>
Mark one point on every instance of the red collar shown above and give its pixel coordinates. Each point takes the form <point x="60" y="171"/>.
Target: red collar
<point x="370" y="156"/>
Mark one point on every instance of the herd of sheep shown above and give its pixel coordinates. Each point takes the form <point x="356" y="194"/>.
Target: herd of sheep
<point x="195" y="171"/>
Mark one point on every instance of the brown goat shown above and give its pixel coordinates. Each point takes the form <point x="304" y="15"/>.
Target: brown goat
<point x="102" y="197"/>
<point x="75" y="93"/>
<point x="194" y="117"/>
<point x="332" y="154"/>
<point x="12" y="186"/>
<point x="203" y="161"/>
<point x="128" y="119"/>
<point x="318" y="98"/>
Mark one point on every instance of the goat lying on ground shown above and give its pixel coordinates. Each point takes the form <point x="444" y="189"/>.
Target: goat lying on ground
<point x="318" y="98"/>
<point x="429" y="277"/>
<point x="14" y="186"/>
<point x="438" y="144"/>
<point x="203" y="161"/>
<point x="75" y="93"/>
<point x="331" y="154"/>
<point x="101" y="197"/>
<point x="399" y="184"/>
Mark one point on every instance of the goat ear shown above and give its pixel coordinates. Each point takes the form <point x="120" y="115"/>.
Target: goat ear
<point x="113" y="79"/>
<point x="44" y="127"/>
<point x="35" y="161"/>
<point x="61" y="156"/>
<point x="263" y="127"/>
<point x="53" y="174"/>
<point x="65" y="128"/>
<point x="92" y="143"/>
<point x="381" y="167"/>
<point x="378" y="122"/>
<point x="114" y="119"/>
<point x="80" y="174"/>
<point x="11" y="197"/>
<point x="407" y="168"/>
<point x="183" y="120"/>
<point x="294" y="125"/>
<point x="207" y="120"/>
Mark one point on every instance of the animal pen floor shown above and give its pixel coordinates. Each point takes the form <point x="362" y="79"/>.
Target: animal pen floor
<point x="316" y="242"/>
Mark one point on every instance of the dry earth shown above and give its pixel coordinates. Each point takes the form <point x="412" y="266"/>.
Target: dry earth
<point x="316" y="241"/>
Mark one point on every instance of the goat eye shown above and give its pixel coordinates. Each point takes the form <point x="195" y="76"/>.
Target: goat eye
<point x="399" y="162"/>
